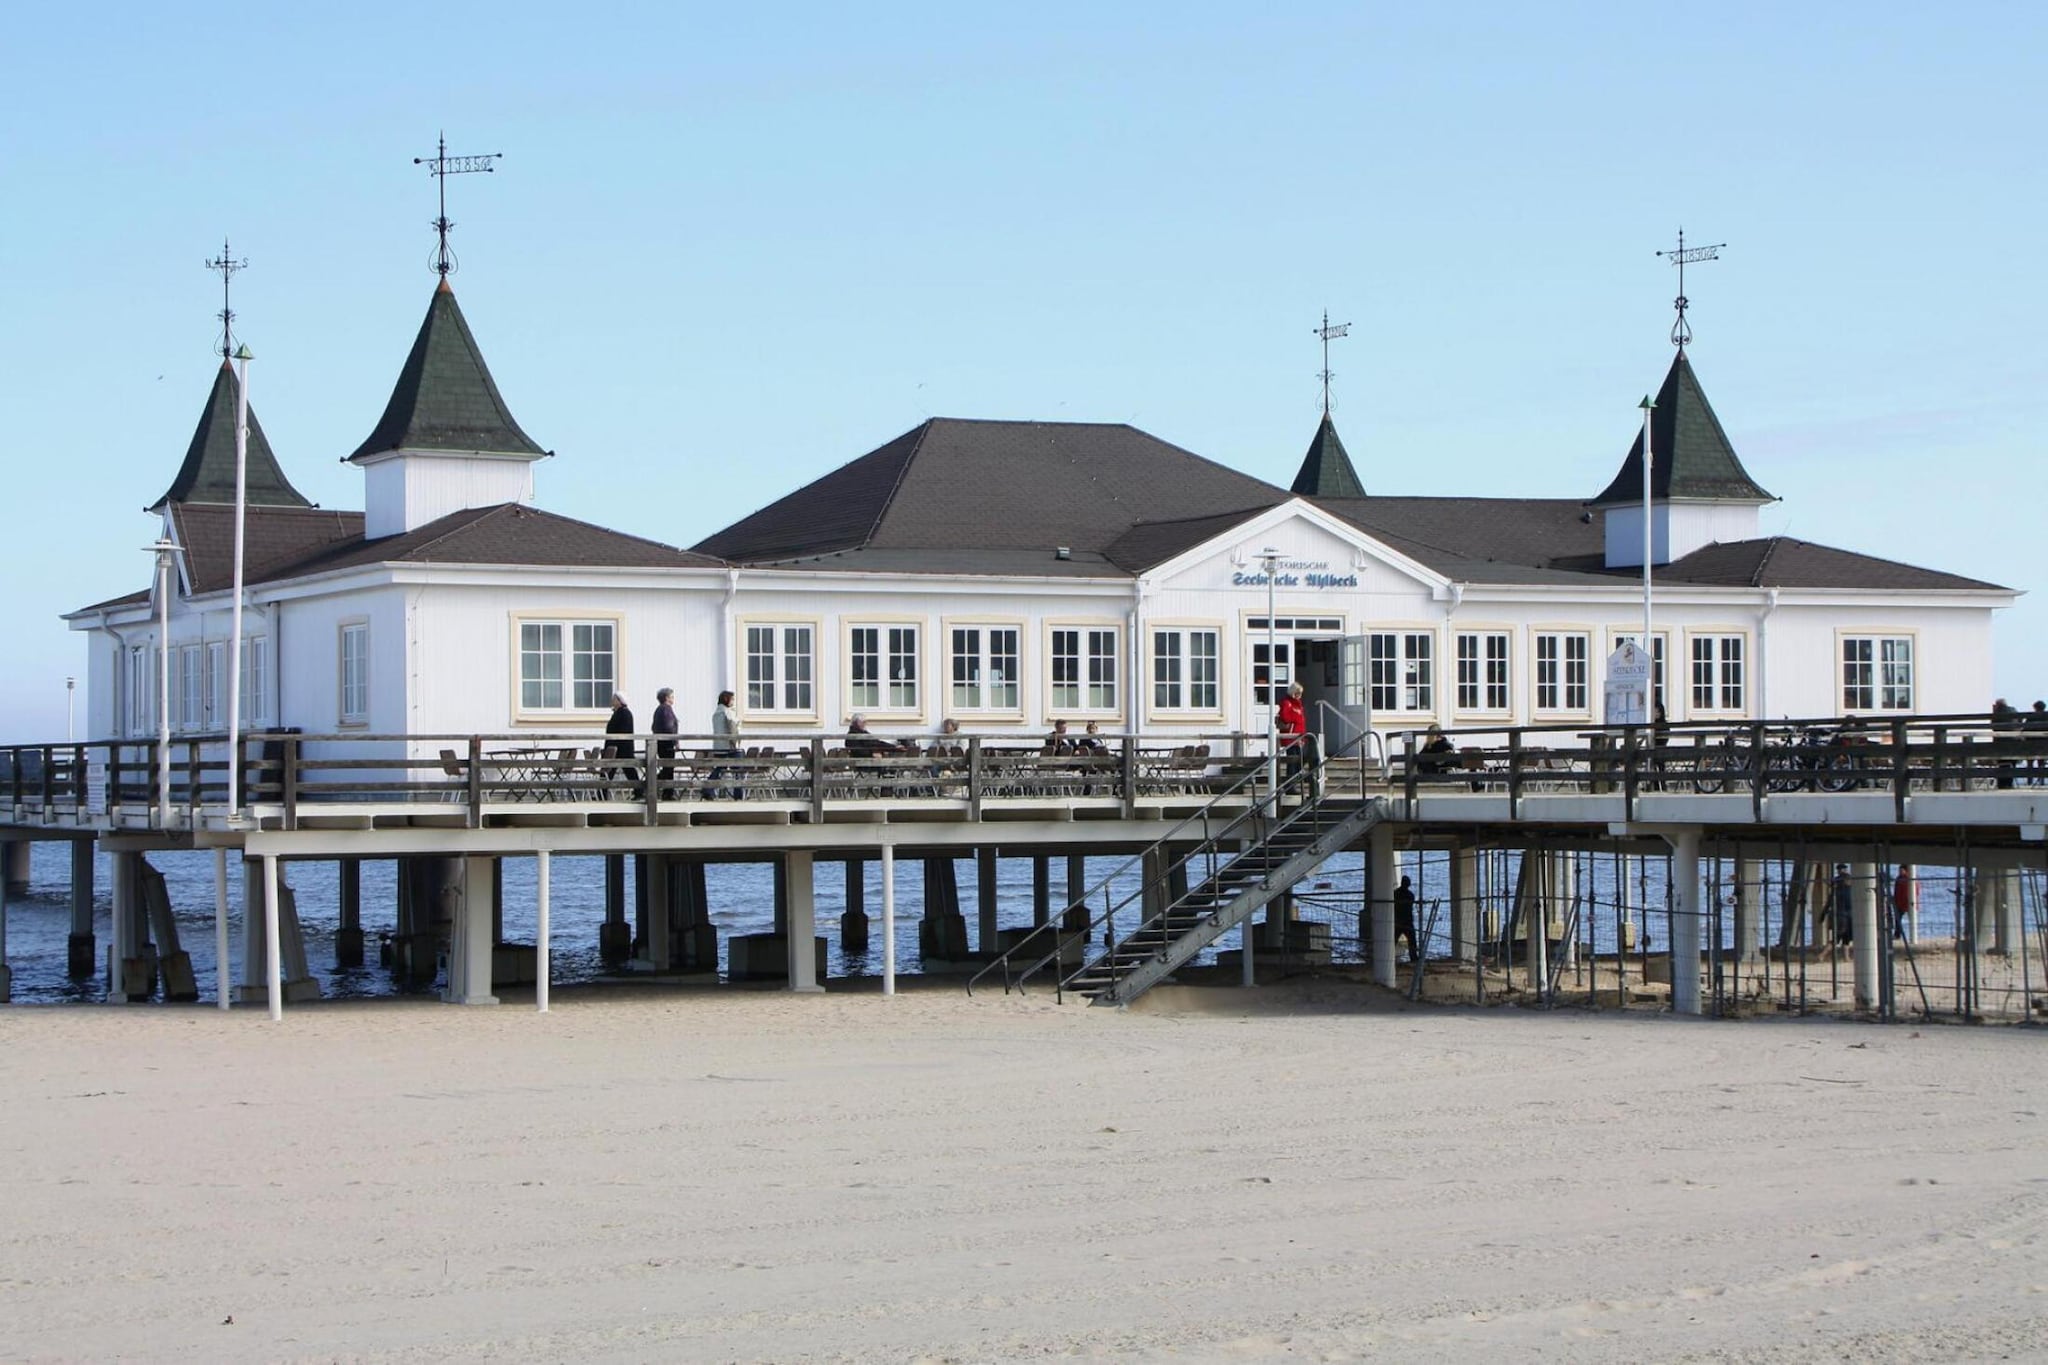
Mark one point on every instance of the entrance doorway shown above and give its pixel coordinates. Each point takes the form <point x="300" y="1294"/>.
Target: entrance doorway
<point x="1329" y="665"/>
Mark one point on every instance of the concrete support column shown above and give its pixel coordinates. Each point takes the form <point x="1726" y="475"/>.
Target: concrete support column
<point x="1542" y="884"/>
<point x="853" y="920"/>
<point x="1870" y="936"/>
<point x="1152" y="866"/>
<point x="273" y="953"/>
<point x="888" y="919"/>
<point x="1749" y="896"/>
<point x="800" y="898"/>
<point x="14" y="865"/>
<point x="1383" y="874"/>
<point x="81" y="950"/>
<point x="660" y="928"/>
<point x="1041" y="889"/>
<point x="348" y="935"/>
<point x="640" y="911"/>
<point x="542" y="868"/>
<point x="1567" y="888"/>
<point x="1465" y="904"/>
<point x="123" y="984"/>
<point x="1685" y="923"/>
<point x="469" y="938"/>
<point x="1077" y="878"/>
<point x="2007" y="928"/>
<point x="985" y="900"/>
<point x="249" y="988"/>
<point x="614" y="941"/>
<point x="6" y="972"/>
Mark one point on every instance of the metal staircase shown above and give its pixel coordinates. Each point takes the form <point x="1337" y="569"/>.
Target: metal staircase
<point x="1207" y="876"/>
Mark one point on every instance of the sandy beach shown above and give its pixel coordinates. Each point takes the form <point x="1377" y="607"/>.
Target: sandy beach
<point x="1316" y="1172"/>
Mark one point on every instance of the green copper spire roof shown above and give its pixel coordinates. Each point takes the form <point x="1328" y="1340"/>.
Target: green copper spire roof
<point x="445" y="398"/>
<point x="1326" y="470"/>
<point x="1693" y="458"/>
<point x="208" y="474"/>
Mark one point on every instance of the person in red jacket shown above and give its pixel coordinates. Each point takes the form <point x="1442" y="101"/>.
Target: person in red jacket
<point x="1293" y="724"/>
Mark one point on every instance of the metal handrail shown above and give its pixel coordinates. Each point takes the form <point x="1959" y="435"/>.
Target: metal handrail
<point x="1208" y="840"/>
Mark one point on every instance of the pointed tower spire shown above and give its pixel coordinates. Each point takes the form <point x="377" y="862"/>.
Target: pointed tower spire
<point x="1326" y="471"/>
<point x="208" y="473"/>
<point x="445" y="398"/>
<point x="1695" y="461"/>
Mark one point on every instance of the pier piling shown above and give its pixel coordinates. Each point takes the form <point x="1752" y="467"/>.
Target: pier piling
<point x="81" y="951"/>
<point x="348" y="934"/>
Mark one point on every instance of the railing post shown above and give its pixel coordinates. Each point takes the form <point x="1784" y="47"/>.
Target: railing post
<point x="291" y="781"/>
<point x="1408" y="774"/>
<point x="1940" y="755"/>
<point x="818" y="780"/>
<point x="974" y="777"/>
<point x="1631" y="770"/>
<point x="1514" y="774"/>
<point x="48" y="785"/>
<point x="1759" y="764"/>
<point x="650" y="784"/>
<point x="113" y="792"/>
<point x="194" y="775"/>
<point x="476" y="781"/>
<point x="1902" y="771"/>
<point x="1128" y="776"/>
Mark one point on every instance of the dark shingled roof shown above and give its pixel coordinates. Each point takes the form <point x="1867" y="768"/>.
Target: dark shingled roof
<point x="982" y="486"/>
<point x="272" y="537"/>
<point x="509" y="533"/>
<point x="208" y="474"/>
<point x="1782" y="562"/>
<point x="445" y="398"/>
<point x="1326" y="470"/>
<point x="1154" y="542"/>
<point x="1694" y="458"/>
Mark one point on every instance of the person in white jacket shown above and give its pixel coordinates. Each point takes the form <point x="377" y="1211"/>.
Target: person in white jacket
<point x="725" y="731"/>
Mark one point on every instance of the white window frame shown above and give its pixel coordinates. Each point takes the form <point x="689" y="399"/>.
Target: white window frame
<point x="255" y="681"/>
<point x="140" y="666"/>
<point x="352" y="672"/>
<point x="778" y="680"/>
<point x="897" y="663"/>
<point x="1726" y="689"/>
<point x="190" y="696"/>
<point x="1097" y="681"/>
<point x="1401" y="670"/>
<point x="597" y="689"/>
<point x="215" y="685"/>
<point x="969" y="672"/>
<point x="1563" y="684"/>
<point x="1491" y="671"/>
<point x="1176" y="687"/>
<point x="1887" y="680"/>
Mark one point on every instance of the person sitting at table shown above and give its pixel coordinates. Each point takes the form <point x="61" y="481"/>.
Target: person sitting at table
<point x="621" y="723"/>
<point x="1090" y="741"/>
<point x="1437" y="755"/>
<point x="1058" y="741"/>
<point x="860" y="743"/>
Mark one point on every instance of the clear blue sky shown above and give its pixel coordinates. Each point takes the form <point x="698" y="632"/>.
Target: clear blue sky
<point x="731" y="249"/>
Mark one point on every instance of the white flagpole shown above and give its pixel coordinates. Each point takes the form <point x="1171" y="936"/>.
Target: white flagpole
<point x="1649" y="644"/>
<point x="234" y="799"/>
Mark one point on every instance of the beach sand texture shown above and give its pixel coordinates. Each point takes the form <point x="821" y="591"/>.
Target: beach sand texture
<point x="1311" y="1172"/>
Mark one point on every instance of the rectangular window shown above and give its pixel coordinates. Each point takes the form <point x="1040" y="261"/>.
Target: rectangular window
<point x="565" y="665"/>
<point x="884" y="667"/>
<point x="141" y="689"/>
<point x="1562" y="673"/>
<point x="1483" y="671"/>
<point x="355" y="673"/>
<point x="1184" y="670"/>
<point x="985" y="668"/>
<point x="1083" y="669"/>
<point x="779" y="668"/>
<point x="191" y="688"/>
<point x="1877" y="673"/>
<point x="1717" y="673"/>
<point x="1400" y="670"/>
<point x="215" y="685"/>
<point x="255" y="680"/>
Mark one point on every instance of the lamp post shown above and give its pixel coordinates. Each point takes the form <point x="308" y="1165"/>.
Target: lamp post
<point x="166" y="552"/>
<point x="1270" y="559"/>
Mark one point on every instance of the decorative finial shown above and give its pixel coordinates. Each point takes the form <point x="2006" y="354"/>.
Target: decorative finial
<point x="441" y="165"/>
<point x="1328" y="334"/>
<point x="1681" y="330"/>
<point x="227" y="265"/>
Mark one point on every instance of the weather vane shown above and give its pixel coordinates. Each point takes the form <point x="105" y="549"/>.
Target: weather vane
<point x="1329" y="334"/>
<point x="441" y="165"/>
<point x="227" y="265"/>
<point x="1681" y="330"/>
